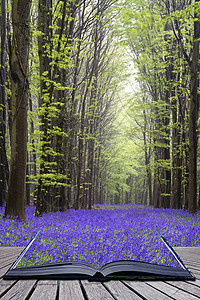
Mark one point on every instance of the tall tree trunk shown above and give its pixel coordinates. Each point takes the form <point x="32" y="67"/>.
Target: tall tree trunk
<point x="4" y="172"/>
<point x="15" y="205"/>
<point x="177" y="141"/>
<point x="91" y="170"/>
<point x="44" y="22"/>
<point x="79" y="182"/>
<point x="176" y="165"/>
<point x="193" y="117"/>
<point x="33" y="169"/>
<point x="28" y="187"/>
<point x="166" y="187"/>
<point x="147" y="160"/>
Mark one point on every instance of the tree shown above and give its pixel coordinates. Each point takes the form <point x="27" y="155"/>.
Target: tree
<point x="72" y="47"/>
<point x="192" y="60"/>
<point x="45" y="30"/>
<point x="4" y="172"/>
<point x="163" y="37"/>
<point x="55" y="45"/>
<point x="148" y="49"/>
<point x="193" y="115"/>
<point x="19" y="66"/>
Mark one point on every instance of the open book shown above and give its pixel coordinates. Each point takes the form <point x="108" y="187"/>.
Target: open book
<point x="122" y="269"/>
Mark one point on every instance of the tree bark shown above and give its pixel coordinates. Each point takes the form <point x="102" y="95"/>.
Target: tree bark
<point x="44" y="22"/>
<point x="147" y="160"/>
<point x="176" y="162"/>
<point x="4" y="171"/>
<point x="193" y="118"/>
<point x="15" y="205"/>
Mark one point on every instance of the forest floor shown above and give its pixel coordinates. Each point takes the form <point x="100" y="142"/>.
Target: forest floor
<point x="103" y="234"/>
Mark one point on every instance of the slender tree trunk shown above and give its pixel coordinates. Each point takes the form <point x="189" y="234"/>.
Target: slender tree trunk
<point x="147" y="161"/>
<point x="156" y="190"/>
<point x="193" y="118"/>
<point x="166" y="122"/>
<point x="28" y="188"/>
<point x="91" y="169"/>
<point x="176" y="158"/>
<point x="185" y="149"/>
<point x="15" y="205"/>
<point x="4" y="172"/>
<point x="33" y="156"/>
<point x="79" y="194"/>
<point x="44" y="22"/>
<point x="9" y="97"/>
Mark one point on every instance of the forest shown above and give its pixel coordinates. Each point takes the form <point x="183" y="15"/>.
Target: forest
<point x="99" y="104"/>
